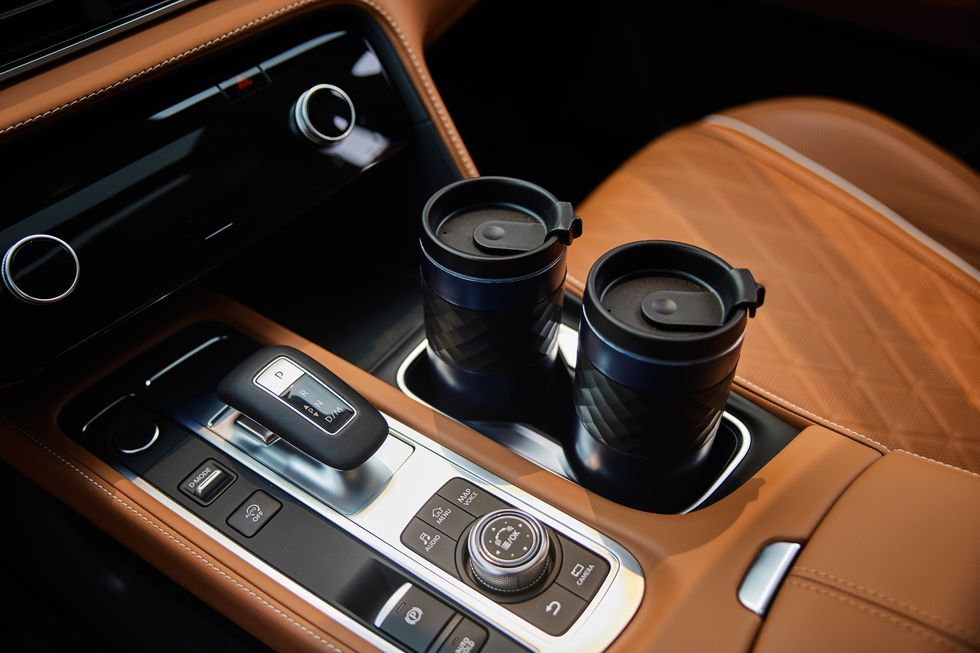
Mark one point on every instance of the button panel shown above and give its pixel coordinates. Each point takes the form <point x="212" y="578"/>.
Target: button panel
<point x="438" y="548"/>
<point x="581" y="571"/>
<point x="436" y="529"/>
<point x="254" y="513"/>
<point x="470" y="497"/>
<point x="207" y="482"/>
<point x="445" y="515"/>
<point x="554" y="610"/>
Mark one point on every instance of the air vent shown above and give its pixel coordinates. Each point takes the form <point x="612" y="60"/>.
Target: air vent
<point x="35" y="32"/>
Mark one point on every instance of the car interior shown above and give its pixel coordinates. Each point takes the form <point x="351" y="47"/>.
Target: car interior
<point x="486" y="327"/>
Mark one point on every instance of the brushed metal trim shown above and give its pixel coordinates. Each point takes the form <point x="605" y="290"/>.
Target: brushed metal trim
<point x="765" y="575"/>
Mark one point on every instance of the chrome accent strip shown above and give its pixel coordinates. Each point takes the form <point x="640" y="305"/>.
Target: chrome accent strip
<point x="193" y="352"/>
<point x="390" y="604"/>
<point x="828" y="175"/>
<point x="546" y="454"/>
<point x="8" y="277"/>
<point x="765" y="575"/>
<point x="153" y="440"/>
<point x="215" y="233"/>
<point x="743" y="451"/>
<point x="267" y="570"/>
<point x="105" y="410"/>
<point x="93" y="39"/>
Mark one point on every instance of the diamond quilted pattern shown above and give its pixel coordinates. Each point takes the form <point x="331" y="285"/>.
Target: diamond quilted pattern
<point x="642" y="423"/>
<point x="863" y="327"/>
<point x="490" y="342"/>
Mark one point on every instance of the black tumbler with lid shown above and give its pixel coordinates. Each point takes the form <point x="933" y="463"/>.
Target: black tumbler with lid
<point x="493" y="271"/>
<point x="661" y="330"/>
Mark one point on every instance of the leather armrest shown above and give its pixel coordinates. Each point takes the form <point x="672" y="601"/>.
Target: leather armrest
<point x="895" y="566"/>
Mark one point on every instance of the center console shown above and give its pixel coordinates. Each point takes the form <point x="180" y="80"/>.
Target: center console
<point x="416" y="544"/>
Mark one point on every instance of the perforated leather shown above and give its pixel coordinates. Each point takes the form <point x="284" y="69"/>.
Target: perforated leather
<point x="864" y="329"/>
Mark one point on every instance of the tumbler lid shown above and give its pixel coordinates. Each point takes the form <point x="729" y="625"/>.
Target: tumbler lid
<point x="497" y="227"/>
<point x="667" y="300"/>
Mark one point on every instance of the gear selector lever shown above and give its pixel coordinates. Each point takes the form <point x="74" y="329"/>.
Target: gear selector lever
<point x="306" y="405"/>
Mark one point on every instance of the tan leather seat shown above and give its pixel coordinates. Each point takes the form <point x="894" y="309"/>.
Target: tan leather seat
<point x="863" y="233"/>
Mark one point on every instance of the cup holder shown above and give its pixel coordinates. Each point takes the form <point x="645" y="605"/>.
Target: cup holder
<point x="542" y="436"/>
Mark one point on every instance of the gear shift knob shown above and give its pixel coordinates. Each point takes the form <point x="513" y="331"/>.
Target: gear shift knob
<point x="306" y="405"/>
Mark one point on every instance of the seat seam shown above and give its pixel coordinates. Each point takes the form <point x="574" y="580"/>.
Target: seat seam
<point x="173" y="538"/>
<point x="869" y="608"/>
<point x="964" y="278"/>
<point x="810" y="414"/>
<point x="901" y="604"/>
<point x="413" y="57"/>
<point x="937" y="462"/>
<point x="884" y="225"/>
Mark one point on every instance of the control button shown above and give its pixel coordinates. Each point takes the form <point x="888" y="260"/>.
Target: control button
<point x="553" y="611"/>
<point x="413" y="617"/>
<point x="242" y="84"/>
<point x="254" y="513"/>
<point x="279" y="375"/>
<point x="206" y="482"/>
<point x="467" y="637"/>
<point x="319" y="404"/>
<point x="134" y="434"/>
<point x="508" y="551"/>
<point x="324" y="114"/>
<point x="40" y="269"/>
<point x="445" y="515"/>
<point x="471" y="498"/>
<point x="432" y="545"/>
<point x="581" y="570"/>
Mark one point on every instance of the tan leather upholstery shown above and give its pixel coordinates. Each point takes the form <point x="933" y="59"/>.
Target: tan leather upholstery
<point x="894" y="567"/>
<point x="896" y="166"/>
<point x="865" y="330"/>
<point x="692" y="563"/>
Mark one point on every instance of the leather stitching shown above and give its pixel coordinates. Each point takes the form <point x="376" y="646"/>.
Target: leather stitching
<point x="901" y="622"/>
<point x="905" y="606"/>
<point x="938" y="462"/>
<point x="413" y="57"/>
<point x="173" y="538"/>
<point x="879" y="223"/>
<point x="809" y="414"/>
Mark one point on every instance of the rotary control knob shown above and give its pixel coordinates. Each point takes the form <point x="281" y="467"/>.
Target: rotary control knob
<point x="40" y="269"/>
<point x="324" y="114"/>
<point x="508" y="551"/>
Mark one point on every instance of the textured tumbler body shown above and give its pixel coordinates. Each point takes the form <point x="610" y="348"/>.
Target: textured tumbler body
<point x="495" y="364"/>
<point x="654" y="424"/>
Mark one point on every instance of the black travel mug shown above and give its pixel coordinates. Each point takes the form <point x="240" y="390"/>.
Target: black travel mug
<point x="661" y="329"/>
<point x="493" y="271"/>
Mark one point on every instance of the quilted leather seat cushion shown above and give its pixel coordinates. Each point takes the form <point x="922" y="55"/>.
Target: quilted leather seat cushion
<point x="865" y="330"/>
